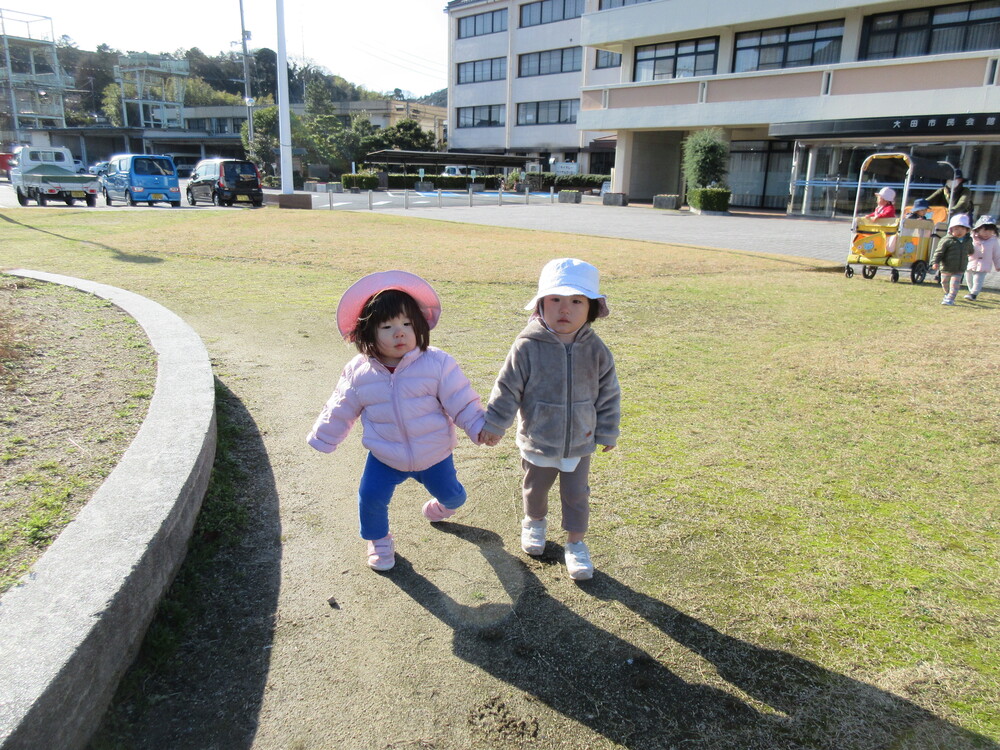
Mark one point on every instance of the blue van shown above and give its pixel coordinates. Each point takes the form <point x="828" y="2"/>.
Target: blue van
<point x="141" y="178"/>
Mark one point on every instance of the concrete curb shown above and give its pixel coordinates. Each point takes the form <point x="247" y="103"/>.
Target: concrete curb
<point x="73" y="626"/>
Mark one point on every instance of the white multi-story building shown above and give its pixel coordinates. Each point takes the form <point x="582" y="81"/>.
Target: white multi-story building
<point x="515" y="74"/>
<point x="804" y="90"/>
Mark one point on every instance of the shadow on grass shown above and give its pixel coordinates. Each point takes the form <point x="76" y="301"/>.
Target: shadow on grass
<point x="198" y="681"/>
<point x="608" y="683"/>
<point x="119" y="255"/>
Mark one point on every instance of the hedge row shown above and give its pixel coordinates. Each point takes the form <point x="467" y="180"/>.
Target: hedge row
<point x="709" y="199"/>
<point x="409" y="181"/>
<point x="546" y="180"/>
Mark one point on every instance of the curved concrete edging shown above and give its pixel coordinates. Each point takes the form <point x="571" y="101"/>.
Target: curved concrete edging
<point x="72" y="627"/>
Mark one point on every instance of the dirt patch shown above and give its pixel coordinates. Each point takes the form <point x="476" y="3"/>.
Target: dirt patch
<point x="72" y="397"/>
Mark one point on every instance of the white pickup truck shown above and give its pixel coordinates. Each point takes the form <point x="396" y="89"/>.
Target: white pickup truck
<point x="44" y="174"/>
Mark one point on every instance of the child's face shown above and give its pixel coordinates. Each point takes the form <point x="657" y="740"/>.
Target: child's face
<point x="984" y="233"/>
<point x="565" y="315"/>
<point x="394" y="339"/>
<point x="958" y="231"/>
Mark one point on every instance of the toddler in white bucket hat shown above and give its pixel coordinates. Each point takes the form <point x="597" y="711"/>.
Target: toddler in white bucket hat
<point x="559" y="382"/>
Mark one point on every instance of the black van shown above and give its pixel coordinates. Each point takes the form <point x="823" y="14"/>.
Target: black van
<point x="225" y="181"/>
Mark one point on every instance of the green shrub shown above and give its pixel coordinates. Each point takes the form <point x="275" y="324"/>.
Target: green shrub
<point x="362" y="180"/>
<point x="706" y="158"/>
<point x="709" y="199"/>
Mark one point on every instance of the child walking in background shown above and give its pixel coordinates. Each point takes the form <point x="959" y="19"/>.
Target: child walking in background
<point x="952" y="255"/>
<point x="559" y="381"/>
<point x="985" y="255"/>
<point x="409" y="395"/>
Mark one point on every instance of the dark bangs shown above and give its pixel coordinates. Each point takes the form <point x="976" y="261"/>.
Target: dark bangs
<point x="384" y="306"/>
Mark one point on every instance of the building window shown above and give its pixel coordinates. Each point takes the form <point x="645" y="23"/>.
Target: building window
<point x="486" y="116"/>
<point x="476" y="71"/>
<point x="932" y="31"/>
<point x="789" y="46"/>
<point x="607" y="59"/>
<point x="692" y="57"/>
<point x="557" y="112"/>
<point x="550" y="61"/>
<point x="483" y="23"/>
<point x="548" y="11"/>
<point x="605" y="4"/>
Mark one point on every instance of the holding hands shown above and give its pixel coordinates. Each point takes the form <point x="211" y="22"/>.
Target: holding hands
<point x="489" y="438"/>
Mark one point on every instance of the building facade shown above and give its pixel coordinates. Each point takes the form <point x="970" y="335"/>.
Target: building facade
<point x="514" y="80"/>
<point x="32" y="85"/>
<point x="804" y="91"/>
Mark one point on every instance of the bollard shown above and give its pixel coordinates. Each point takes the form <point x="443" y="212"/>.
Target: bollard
<point x="552" y="195"/>
<point x="369" y="200"/>
<point x="499" y="196"/>
<point x="406" y="198"/>
<point x="527" y="195"/>
<point x="330" y="196"/>
<point x="439" y="198"/>
<point x="470" y="197"/>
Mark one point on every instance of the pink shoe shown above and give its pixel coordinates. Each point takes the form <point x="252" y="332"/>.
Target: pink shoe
<point x="382" y="553"/>
<point x="434" y="511"/>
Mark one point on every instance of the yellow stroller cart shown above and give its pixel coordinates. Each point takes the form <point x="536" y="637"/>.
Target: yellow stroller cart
<point x="898" y="243"/>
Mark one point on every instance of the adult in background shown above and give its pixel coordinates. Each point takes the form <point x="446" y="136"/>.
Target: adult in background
<point x="953" y="194"/>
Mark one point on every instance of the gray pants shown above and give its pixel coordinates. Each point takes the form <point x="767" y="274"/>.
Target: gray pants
<point x="574" y="491"/>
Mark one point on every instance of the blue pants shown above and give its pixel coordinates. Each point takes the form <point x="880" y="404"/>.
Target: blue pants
<point x="379" y="482"/>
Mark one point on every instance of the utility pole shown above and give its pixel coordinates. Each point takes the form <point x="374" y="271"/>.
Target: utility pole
<point x="247" y="97"/>
<point x="284" y="116"/>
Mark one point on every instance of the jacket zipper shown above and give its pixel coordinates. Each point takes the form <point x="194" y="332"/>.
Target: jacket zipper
<point x="569" y="398"/>
<point x="399" y="419"/>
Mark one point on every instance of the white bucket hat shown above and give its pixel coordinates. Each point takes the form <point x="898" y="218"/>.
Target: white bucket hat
<point x="888" y="193"/>
<point x="959" y="220"/>
<point x="569" y="276"/>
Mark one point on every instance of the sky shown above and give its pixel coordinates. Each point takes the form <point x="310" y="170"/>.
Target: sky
<point x="379" y="44"/>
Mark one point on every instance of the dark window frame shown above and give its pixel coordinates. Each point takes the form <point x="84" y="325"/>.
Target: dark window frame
<point x="653" y="56"/>
<point x="497" y="70"/>
<point x="481" y="24"/>
<point x="549" y="11"/>
<point x="568" y="56"/>
<point x="540" y="113"/>
<point x="909" y="27"/>
<point x="608" y="4"/>
<point x="782" y="46"/>
<point x="610" y="60"/>
<point x="481" y="116"/>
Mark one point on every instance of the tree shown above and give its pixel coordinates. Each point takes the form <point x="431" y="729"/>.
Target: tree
<point x="111" y="104"/>
<point x="706" y="158"/>
<point x="407" y="135"/>
<point x="319" y="100"/>
<point x="198" y="93"/>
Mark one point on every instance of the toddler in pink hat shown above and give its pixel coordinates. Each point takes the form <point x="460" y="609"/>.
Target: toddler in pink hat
<point x="409" y="396"/>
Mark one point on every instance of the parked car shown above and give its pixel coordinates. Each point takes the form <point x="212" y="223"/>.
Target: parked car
<point x="98" y="168"/>
<point x="79" y="167"/>
<point x="141" y="178"/>
<point x="225" y="181"/>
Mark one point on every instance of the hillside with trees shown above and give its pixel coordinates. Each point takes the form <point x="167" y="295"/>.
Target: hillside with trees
<point x="218" y="80"/>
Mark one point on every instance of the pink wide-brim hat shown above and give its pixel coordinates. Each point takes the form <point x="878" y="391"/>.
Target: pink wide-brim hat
<point x="354" y="299"/>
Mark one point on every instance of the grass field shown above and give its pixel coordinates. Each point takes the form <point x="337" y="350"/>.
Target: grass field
<point x="809" y="463"/>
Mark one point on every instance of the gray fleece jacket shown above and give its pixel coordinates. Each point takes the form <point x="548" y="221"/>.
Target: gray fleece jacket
<point x="566" y="398"/>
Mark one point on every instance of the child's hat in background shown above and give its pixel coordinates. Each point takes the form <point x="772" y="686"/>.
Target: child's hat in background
<point x="888" y="193"/>
<point x="986" y="221"/>
<point x="921" y="204"/>
<point x="354" y="299"/>
<point x="959" y="220"/>
<point x="566" y="277"/>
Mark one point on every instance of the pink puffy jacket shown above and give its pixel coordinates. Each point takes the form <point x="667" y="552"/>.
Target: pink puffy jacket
<point x="986" y="255"/>
<point x="408" y="416"/>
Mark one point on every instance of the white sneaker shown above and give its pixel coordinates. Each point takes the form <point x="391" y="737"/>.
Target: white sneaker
<point x="533" y="536"/>
<point x="578" y="563"/>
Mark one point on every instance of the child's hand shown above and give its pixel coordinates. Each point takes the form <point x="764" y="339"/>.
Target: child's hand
<point x="607" y="449"/>
<point x="489" y="438"/>
<point x="934" y="266"/>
